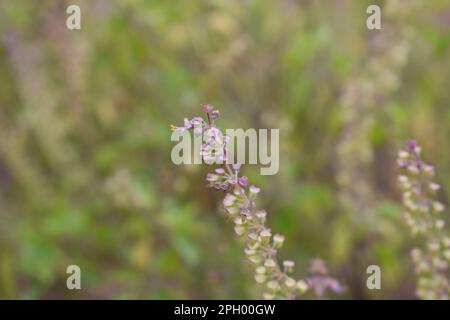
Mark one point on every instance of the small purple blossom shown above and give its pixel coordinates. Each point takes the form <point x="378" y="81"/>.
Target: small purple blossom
<point x="236" y="166"/>
<point x="254" y="189"/>
<point x="215" y="114"/>
<point x="220" y="170"/>
<point x="207" y="108"/>
<point x="411" y="144"/>
<point x="214" y="146"/>
<point x="195" y="123"/>
<point x="320" y="281"/>
<point x="243" y="181"/>
<point x="221" y="180"/>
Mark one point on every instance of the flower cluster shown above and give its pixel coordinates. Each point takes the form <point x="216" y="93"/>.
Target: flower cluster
<point x="422" y="216"/>
<point x="214" y="143"/>
<point x="239" y="204"/>
<point x="222" y="180"/>
<point x="320" y="281"/>
<point x="261" y="245"/>
<point x="214" y="147"/>
<point x="195" y="123"/>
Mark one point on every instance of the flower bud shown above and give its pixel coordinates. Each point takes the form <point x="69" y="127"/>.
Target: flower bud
<point x="256" y="259"/>
<point x="438" y="207"/>
<point x="239" y="230"/>
<point x="253" y="236"/>
<point x="249" y="251"/>
<point x="207" y="108"/>
<point x="416" y="254"/>
<point x="255" y="245"/>
<point x="423" y="267"/>
<point x="434" y="186"/>
<point x="413" y="169"/>
<point x="429" y="170"/>
<point x="440" y="224"/>
<point x="278" y="240"/>
<point x="260" y="278"/>
<point x="404" y="182"/>
<point x="220" y="170"/>
<point x="433" y="246"/>
<point x="211" y="177"/>
<point x="236" y="166"/>
<point x="243" y="181"/>
<point x="229" y="200"/>
<point x="265" y="236"/>
<point x="447" y="254"/>
<point x="302" y="286"/>
<point x="446" y="242"/>
<point x="215" y="114"/>
<point x="268" y="296"/>
<point x="289" y="282"/>
<point x="288" y="265"/>
<point x="270" y="264"/>
<point x="273" y="286"/>
<point x="403" y="155"/>
<point x="260" y="270"/>
<point x="232" y="210"/>
<point x="254" y="190"/>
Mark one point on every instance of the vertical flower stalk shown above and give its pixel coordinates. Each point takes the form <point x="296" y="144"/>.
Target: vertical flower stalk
<point x="261" y="245"/>
<point x="422" y="215"/>
<point x="239" y="204"/>
<point x="363" y="98"/>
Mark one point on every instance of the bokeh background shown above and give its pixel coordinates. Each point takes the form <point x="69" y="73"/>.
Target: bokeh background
<point x="85" y="170"/>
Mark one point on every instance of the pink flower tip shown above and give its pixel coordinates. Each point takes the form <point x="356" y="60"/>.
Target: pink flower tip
<point x="243" y="181"/>
<point x="236" y="166"/>
<point x="207" y="108"/>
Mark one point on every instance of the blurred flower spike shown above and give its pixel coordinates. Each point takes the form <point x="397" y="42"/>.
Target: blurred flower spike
<point x="422" y="214"/>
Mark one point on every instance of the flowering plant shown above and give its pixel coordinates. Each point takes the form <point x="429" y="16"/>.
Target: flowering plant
<point x="422" y="216"/>
<point x="239" y="203"/>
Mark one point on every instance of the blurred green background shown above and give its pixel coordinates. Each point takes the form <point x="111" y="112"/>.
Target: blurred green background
<point x="85" y="170"/>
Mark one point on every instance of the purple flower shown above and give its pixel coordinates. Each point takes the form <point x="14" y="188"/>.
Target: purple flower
<point x="243" y="181"/>
<point x="220" y="179"/>
<point x="320" y="281"/>
<point x="220" y="170"/>
<point x="254" y="189"/>
<point x="411" y="144"/>
<point x="188" y="124"/>
<point x="215" y="114"/>
<point x="421" y="210"/>
<point x="207" y="108"/>
<point x="196" y="121"/>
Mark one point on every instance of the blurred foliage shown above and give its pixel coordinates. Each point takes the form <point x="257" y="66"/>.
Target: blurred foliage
<point x="85" y="170"/>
